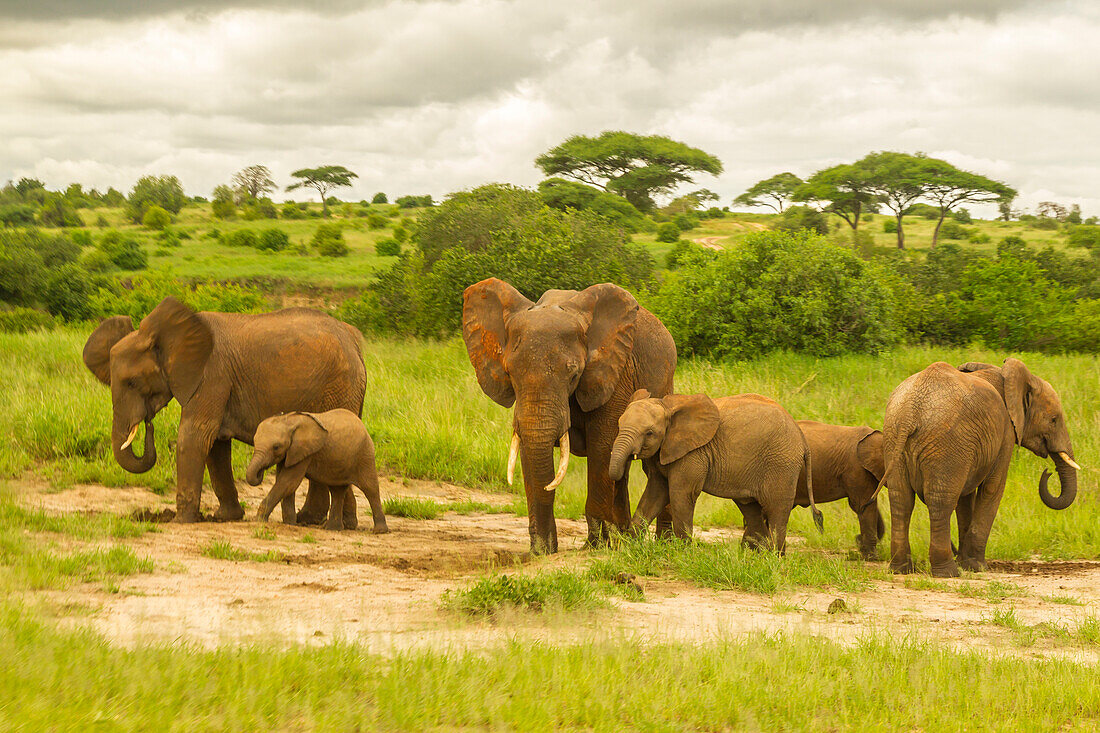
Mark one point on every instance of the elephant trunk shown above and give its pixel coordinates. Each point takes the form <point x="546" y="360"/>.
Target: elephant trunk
<point x="1067" y="480"/>
<point x="621" y="452"/>
<point x="260" y="462"/>
<point x="122" y="437"/>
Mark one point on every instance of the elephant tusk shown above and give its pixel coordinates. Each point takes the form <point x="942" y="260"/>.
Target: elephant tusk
<point x="1072" y="463"/>
<point x="130" y="439"/>
<point x="513" y="454"/>
<point x="563" y="464"/>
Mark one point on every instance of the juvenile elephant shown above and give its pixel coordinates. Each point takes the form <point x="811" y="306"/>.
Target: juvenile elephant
<point x="332" y="448"/>
<point x="948" y="438"/>
<point x="569" y="363"/>
<point x="746" y="448"/>
<point x="847" y="464"/>
<point x="228" y="372"/>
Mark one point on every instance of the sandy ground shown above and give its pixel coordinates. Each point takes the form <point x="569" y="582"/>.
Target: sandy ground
<point x="710" y="242"/>
<point x="383" y="591"/>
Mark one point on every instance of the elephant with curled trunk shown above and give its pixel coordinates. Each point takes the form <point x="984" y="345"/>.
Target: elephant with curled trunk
<point x="569" y="364"/>
<point x="745" y="448"/>
<point x="948" y="439"/>
<point x="228" y="372"/>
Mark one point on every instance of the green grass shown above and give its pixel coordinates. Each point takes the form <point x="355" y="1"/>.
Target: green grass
<point x="264" y="532"/>
<point x="993" y="591"/>
<point x="469" y="506"/>
<point x="559" y="589"/>
<point x="1085" y="631"/>
<point x="725" y="566"/>
<point x="224" y="550"/>
<point x="1064" y="600"/>
<point x="413" y="508"/>
<point x="74" y="680"/>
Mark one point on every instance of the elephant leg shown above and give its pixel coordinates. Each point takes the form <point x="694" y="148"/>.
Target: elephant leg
<point x="219" y="463"/>
<point x="653" y="501"/>
<point x="986" y="504"/>
<point x="964" y="514"/>
<point x="663" y="529"/>
<point x="315" y="508"/>
<point x="336" y="508"/>
<point x="871" y="529"/>
<point x="777" y="512"/>
<point x="603" y="507"/>
<point x="192" y="448"/>
<point x="351" y="510"/>
<point x="902" y="500"/>
<point x="368" y="484"/>
<point x="287" y="481"/>
<point x="756" y="530"/>
<point x="290" y="516"/>
<point x="683" y="493"/>
<point x="940" y="556"/>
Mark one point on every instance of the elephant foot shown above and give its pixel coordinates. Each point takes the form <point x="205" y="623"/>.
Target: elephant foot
<point x="598" y="533"/>
<point x="290" y="520"/>
<point x="351" y="521"/>
<point x="229" y="513"/>
<point x="381" y="528"/>
<point x="902" y="567"/>
<point x="334" y="524"/>
<point x="972" y="564"/>
<point x="541" y="546"/>
<point x="867" y="550"/>
<point x="945" y="570"/>
<point x="309" y="518"/>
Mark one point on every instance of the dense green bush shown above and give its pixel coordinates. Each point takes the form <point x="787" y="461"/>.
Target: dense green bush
<point x="242" y="238"/>
<point x="962" y="216"/>
<point x="291" y="210"/>
<point x="794" y="218"/>
<point x="685" y="222"/>
<point x="163" y="191"/>
<point x="273" y="240"/>
<point x="21" y="320"/>
<point x="66" y="292"/>
<point x="682" y="250"/>
<point x="400" y="233"/>
<point x="778" y="291"/>
<point x="379" y="198"/>
<point x="125" y="251"/>
<point x="558" y="193"/>
<point x="953" y="230"/>
<point x="328" y="240"/>
<point x="388" y="247"/>
<point x="668" y="232"/>
<point x="375" y="220"/>
<point x="1085" y="236"/>
<point x="924" y="211"/>
<point x="13" y="215"/>
<point x="262" y="208"/>
<point x="890" y="225"/>
<point x="156" y="218"/>
<point x="146" y="290"/>
<point x="412" y="202"/>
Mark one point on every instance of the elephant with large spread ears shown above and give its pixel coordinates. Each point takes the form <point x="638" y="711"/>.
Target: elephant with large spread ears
<point x="948" y="438"/>
<point x="569" y="363"/>
<point x="228" y="372"/>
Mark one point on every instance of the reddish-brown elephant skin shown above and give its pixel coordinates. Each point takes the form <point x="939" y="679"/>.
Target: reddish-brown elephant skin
<point x="228" y="372"/>
<point x="948" y="438"/>
<point x="569" y="363"/>
<point x="847" y="464"/>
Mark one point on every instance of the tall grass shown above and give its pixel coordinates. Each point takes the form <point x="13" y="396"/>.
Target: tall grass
<point x="60" y="680"/>
<point x="429" y="419"/>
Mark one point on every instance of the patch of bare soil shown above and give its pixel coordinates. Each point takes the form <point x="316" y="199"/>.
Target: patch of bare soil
<point x="710" y="243"/>
<point x="383" y="591"/>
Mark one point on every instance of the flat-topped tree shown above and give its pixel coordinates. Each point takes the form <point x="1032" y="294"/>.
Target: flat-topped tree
<point x="322" y="180"/>
<point x="636" y="167"/>
<point x="842" y="190"/>
<point x="772" y="192"/>
<point x="947" y="187"/>
<point x="897" y="179"/>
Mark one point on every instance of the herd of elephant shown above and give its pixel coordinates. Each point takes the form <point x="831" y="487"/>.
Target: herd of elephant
<point x="591" y="372"/>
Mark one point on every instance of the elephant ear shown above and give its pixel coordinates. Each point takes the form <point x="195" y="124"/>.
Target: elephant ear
<point x="97" y="351"/>
<point x="974" y="366"/>
<point x="869" y="453"/>
<point x="308" y="437"/>
<point x="613" y="313"/>
<point x="1020" y="386"/>
<point x="693" y="421"/>
<point x="486" y="308"/>
<point x="640" y="394"/>
<point x="183" y="344"/>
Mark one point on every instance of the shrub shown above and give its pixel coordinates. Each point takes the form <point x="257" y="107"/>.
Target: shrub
<point x="259" y="209"/>
<point x="163" y="191"/>
<point x="22" y="320"/>
<point x="1045" y="222"/>
<point x="1084" y="236"/>
<point x="924" y="211"/>
<point x="962" y="216"/>
<point x="951" y="229"/>
<point x="400" y="233"/>
<point x="96" y="261"/>
<point x="273" y="240"/>
<point x="223" y="209"/>
<point x="148" y="289"/>
<point x="291" y="210"/>
<point x="668" y="232"/>
<point x="375" y="220"/>
<point x="124" y="251"/>
<point x="683" y="250"/>
<point x="779" y="290"/>
<point x="82" y="238"/>
<point x="685" y="222"/>
<point x="412" y="202"/>
<point x="156" y="218"/>
<point x="379" y="198"/>
<point x="66" y="293"/>
<point x="14" y="215"/>
<point x="101" y="222"/>
<point x="794" y="218"/>
<point x="242" y="238"/>
<point x="388" y="247"/>
<point x="890" y="226"/>
<point x="979" y="237"/>
<point x="169" y="238"/>
<point x="328" y="240"/>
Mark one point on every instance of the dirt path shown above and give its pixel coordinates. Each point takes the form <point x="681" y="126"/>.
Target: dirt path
<point x="710" y="242"/>
<point x="383" y="591"/>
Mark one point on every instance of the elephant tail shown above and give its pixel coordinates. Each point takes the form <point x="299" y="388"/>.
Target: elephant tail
<point x="819" y="520"/>
<point x="888" y="462"/>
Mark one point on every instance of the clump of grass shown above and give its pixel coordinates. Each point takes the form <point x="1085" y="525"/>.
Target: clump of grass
<point x="559" y="589"/>
<point x="993" y="591"/>
<point x="80" y="526"/>
<point x="1064" y="600"/>
<point x="469" y="506"/>
<point x="725" y="566"/>
<point x="222" y="550"/>
<point x="38" y="568"/>
<point x="308" y="539"/>
<point x="780" y="605"/>
<point x="412" y="508"/>
<point x="923" y="582"/>
<point x="264" y="532"/>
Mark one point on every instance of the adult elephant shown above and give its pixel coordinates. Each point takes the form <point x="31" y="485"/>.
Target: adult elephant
<point x="569" y="363"/>
<point x="228" y="372"/>
<point x="948" y="438"/>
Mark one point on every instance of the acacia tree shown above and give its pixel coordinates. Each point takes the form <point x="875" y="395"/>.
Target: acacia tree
<point x="842" y="190"/>
<point x="779" y="189"/>
<point x="897" y="179"/>
<point x="253" y="182"/>
<point x="322" y="179"/>
<point x="947" y="187"/>
<point x="636" y="167"/>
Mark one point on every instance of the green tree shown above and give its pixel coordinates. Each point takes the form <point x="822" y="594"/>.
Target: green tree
<point x="322" y="179"/>
<point x="840" y="189"/>
<point x="379" y="198"/>
<point x="156" y="218"/>
<point x="56" y="211"/>
<point x="897" y="179"/>
<point x="802" y="217"/>
<point x="222" y="205"/>
<point x="329" y="241"/>
<point x="772" y="192"/>
<point x="558" y="193"/>
<point x="163" y="191"/>
<point x="636" y="167"/>
<point x="947" y="187"/>
<point x="253" y="182"/>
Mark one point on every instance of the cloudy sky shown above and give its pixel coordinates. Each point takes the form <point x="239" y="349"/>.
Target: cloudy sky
<point x="431" y="97"/>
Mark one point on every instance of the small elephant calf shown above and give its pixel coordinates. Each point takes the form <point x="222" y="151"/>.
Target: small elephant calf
<point x="331" y="448"/>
